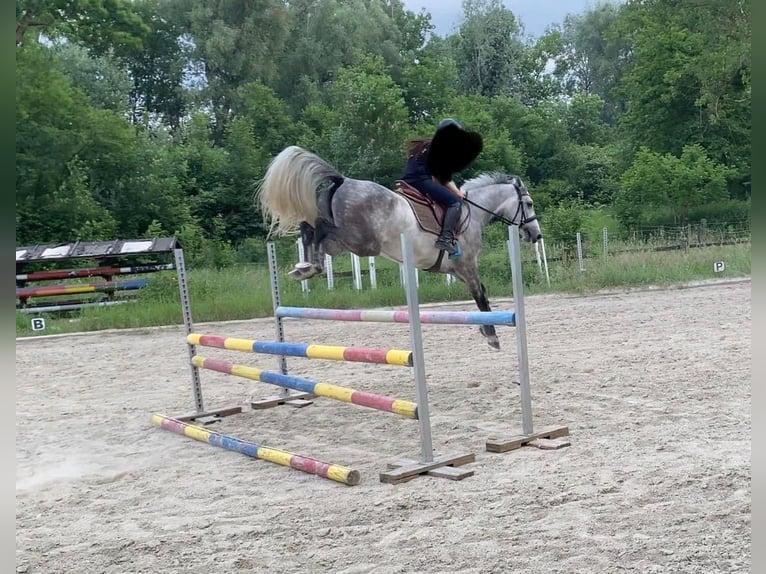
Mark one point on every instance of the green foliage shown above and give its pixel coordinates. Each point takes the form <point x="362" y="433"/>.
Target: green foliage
<point x="97" y="24"/>
<point x="488" y="48"/>
<point x="595" y="220"/>
<point x="687" y="80"/>
<point x="563" y="221"/>
<point x="106" y="83"/>
<point x="235" y="42"/>
<point x="678" y="183"/>
<point x="429" y="82"/>
<point x="372" y="122"/>
<point x="591" y="58"/>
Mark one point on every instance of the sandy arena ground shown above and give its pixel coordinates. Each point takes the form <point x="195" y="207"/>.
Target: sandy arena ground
<point x="654" y="385"/>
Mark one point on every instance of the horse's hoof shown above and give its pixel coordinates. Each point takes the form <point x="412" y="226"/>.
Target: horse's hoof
<point x="299" y="274"/>
<point x="304" y="271"/>
<point x="494" y="343"/>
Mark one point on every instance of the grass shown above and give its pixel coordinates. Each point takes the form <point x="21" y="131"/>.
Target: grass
<point x="243" y="292"/>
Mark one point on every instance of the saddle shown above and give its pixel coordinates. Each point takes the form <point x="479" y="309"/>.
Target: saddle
<point x="428" y="213"/>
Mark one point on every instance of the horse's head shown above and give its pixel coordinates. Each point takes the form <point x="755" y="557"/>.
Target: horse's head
<point x="505" y="198"/>
<point x="521" y="210"/>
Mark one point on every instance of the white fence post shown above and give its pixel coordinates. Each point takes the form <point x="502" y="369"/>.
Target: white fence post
<point x="579" y="251"/>
<point x="373" y="275"/>
<point x="302" y="257"/>
<point x="545" y="261"/>
<point x="356" y="270"/>
<point x="328" y="270"/>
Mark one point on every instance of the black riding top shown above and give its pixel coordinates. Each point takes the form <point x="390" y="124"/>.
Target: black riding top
<point x="416" y="168"/>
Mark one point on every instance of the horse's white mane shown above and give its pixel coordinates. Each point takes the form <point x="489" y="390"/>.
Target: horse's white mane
<point x="485" y="179"/>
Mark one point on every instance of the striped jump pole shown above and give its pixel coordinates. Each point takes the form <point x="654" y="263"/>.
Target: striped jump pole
<point x="91" y="272"/>
<point x="51" y="290"/>
<point x="380" y="402"/>
<point x="383" y="316"/>
<point x="309" y="351"/>
<point x="334" y="472"/>
<point x="71" y="306"/>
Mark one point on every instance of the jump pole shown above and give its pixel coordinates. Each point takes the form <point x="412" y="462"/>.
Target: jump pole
<point x="306" y="464"/>
<point x="406" y="409"/>
<point x="105" y="287"/>
<point x="305" y="350"/>
<point x="384" y="316"/>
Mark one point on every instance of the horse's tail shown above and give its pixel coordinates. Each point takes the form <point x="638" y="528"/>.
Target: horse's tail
<point x="288" y="191"/>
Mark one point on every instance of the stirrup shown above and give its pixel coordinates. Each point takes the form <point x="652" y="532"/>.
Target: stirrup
<point x="451" y="246"/>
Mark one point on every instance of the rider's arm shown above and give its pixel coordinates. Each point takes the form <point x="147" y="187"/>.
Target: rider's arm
<point x="454" y="189"/>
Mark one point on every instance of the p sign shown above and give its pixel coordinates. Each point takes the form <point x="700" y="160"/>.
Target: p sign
<point x="38" y="324"/>
<point x="718" y="266"/>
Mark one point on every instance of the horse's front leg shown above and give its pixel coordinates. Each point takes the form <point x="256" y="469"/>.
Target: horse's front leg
<point x="479" y="294"/>
<point x="312" y="263"/>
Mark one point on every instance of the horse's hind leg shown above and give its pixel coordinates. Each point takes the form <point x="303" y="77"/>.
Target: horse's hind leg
<point x="479" y="294"/>
<point x="313" y="256"/>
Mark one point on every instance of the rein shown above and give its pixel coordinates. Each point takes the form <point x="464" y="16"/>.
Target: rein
<point x="523" y="220"/>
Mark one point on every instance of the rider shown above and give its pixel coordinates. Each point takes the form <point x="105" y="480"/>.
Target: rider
<point x="419" y="173"/>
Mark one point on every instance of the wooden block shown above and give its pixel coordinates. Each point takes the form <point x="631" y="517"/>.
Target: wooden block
<point x="549" y="443"/>
<point x="504" y="444"/>
<point x="209" y="417"/>
<point x="448" y="472"/>
<point x="407" y="470"/>
<point x="299" y="403"/>
<point x="297" y="400"/>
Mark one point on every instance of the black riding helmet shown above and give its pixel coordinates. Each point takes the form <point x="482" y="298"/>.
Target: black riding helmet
<point x="449" y="122"/>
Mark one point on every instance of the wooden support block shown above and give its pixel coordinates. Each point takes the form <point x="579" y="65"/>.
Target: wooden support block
<point x="209" y="417"/>
<point x="448" y="472"/>
<point x="541" y="439"/>
<point x="297" y="400"/>
<point x="549" y="443"/>
<point x="441" y="467"/>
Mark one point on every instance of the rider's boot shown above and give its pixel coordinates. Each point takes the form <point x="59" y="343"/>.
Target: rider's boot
<point x="446" y="240"/>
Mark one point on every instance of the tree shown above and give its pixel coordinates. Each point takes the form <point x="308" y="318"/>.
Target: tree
<point x="687" y="79"/>
<point x="50" y="124"/>
<point x="584" y="122"/>
<point x="157" y="68"/>
<point x="592" y="55"/>
<point x="234" y="42"/>
<point x="97" y="24"/>
<point x="327" y="35"/>
<point x="368" y="141"/>
<point x="670" y="182"/>
<point x="429" y="81"/>
<point x="102" y="78"/>
<point x="489" y="48"/>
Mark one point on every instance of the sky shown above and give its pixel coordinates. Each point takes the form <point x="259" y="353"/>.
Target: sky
<point x="535" y="15"/>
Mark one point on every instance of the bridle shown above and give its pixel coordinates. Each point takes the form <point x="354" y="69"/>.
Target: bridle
<point x="520" y="211"/>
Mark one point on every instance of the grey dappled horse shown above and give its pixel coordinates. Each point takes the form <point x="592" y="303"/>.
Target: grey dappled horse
<point x="303" y="193"/>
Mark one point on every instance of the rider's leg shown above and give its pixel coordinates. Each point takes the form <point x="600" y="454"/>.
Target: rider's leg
<point x="447" y="239"/>
<point x="453" y="208"/>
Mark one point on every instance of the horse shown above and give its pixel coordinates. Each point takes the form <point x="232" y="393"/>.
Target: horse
<point x="334" y="214"/>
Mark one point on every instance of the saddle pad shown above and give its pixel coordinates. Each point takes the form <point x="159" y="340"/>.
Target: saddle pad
<point x="428" y="213"/>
